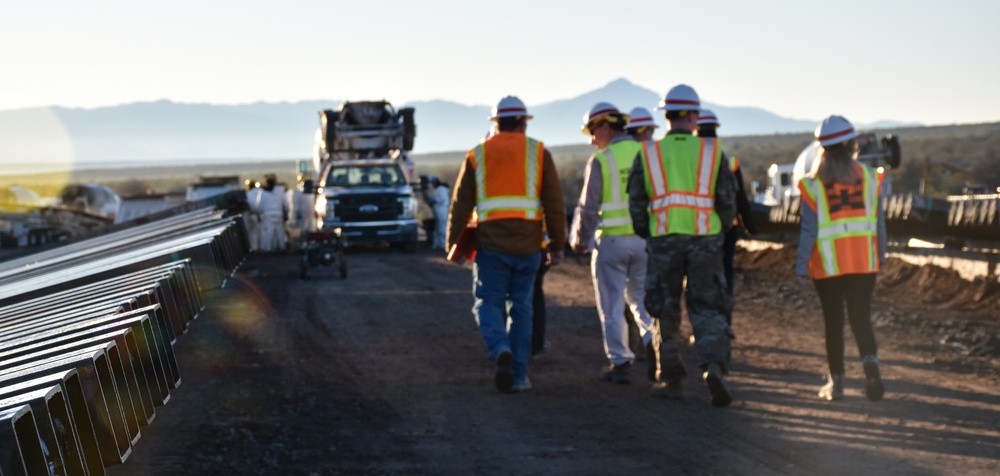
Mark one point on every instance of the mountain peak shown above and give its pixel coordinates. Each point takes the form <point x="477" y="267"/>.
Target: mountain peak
<point x="620" y="83"/>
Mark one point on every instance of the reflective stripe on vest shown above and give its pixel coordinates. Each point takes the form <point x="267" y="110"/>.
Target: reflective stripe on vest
<point x="680" y="173"/>
<point x="614" y="215"/>
<point x="500" y="194"/>
<point x="846" y="244"/>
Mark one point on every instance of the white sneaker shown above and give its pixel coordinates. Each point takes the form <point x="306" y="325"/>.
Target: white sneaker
<point x="834" y="388"/>
<point x="522" y="386"/>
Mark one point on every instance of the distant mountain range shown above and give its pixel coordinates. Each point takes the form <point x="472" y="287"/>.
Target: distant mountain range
<point x="162" y="132"/>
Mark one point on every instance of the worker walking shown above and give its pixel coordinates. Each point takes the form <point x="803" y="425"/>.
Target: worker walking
<point x="439" y="199"/>
<point x="253" y="192"/>
<point x="601" y="223"/>
<point x="708" y="123"/>
<point x="510" y="181"/>
<point x="682" y="199"/>
<point x="641" y="125"/>
<point x="304" y="208"/>
<point x="842" y="246"/>
<point x="271" y="205"/>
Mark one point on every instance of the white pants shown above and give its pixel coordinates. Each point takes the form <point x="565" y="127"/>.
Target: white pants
<point x="441" y="228"/>
<point x="272" y="233"/>
<point x="618" y="266"/>
<point x="253" y="230"/>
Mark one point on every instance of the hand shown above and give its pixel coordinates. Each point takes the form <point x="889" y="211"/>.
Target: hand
<point x="580" y="248"/>
<point x="556" y="257"/>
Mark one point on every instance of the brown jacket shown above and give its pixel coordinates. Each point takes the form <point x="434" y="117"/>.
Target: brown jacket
<point x="510" y="236"/>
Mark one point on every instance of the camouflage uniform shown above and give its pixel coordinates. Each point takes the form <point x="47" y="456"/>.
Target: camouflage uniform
<point x="698" y="258"/>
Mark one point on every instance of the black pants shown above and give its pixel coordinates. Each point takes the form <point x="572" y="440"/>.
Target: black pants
<point x="728" y="255"/>
<point x="856" y="291"/>
<point x="538" y="308"/>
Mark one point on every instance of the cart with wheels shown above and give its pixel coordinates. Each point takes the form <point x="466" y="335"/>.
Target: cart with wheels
<point x="323" y="248"/>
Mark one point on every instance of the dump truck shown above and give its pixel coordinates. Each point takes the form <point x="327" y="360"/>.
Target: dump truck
<point x="363" y="174"/>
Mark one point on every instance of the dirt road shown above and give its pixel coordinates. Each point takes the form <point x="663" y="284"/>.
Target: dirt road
<point x="385" y="373"/>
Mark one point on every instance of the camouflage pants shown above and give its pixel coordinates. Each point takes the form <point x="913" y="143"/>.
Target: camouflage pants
<point x="673" y="258"/>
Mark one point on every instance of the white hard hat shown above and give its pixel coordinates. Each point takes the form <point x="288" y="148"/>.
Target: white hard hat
<point x="707" y="117"/>
<point x="834" y="130"/>
<point x="509" y="106"/>
<point x="601" y="110"/>
<point x="680" y="98"/>
<point x="640" y="117"/>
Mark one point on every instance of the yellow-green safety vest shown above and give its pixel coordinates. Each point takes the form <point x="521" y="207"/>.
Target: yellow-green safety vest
<point x="616" y="161"/>
<point x="680" y="172"/>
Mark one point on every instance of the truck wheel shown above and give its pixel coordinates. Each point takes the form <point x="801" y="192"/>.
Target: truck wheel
<point x="409" y="246"/>
<point x="894" y="156"/>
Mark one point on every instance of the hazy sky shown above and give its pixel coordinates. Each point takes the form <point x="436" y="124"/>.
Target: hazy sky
<point x="933" y="62"/>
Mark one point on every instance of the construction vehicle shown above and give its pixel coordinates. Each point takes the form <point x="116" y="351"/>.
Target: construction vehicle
<point x="779" y="182"/>
<point x="363" y="174"/>
<point x="27" y="220"/>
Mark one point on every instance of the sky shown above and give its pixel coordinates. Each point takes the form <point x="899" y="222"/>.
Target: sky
<point x="921" y="61"/>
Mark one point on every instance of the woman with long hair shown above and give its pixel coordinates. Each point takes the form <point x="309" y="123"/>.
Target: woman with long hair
<point x="841" y="249"/>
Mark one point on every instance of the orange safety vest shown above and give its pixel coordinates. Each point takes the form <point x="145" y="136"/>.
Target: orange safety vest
<point x="847" y="225"/>
<point x="680" y="173"/>
<point x="508" y="170"/>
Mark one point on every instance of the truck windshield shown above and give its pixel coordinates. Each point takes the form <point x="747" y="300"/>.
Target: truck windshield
<point x="365" y="176"/>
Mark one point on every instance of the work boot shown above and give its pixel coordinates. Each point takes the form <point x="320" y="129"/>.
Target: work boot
<point x="717" y="385"/>
<point x="834" y="388"/>
<point x="672" y="390"/>
<point x="503" y="376"/>
<point x="616" y="373"/>
<point x="875" y="389"/>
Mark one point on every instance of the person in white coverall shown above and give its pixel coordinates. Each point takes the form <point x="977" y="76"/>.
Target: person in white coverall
<point x="253" y="216"/>
<point x="439" y="200"/>
<point x="303" y="208"/>
<point x="602" y="222"/>
<point x="273" y="210"/>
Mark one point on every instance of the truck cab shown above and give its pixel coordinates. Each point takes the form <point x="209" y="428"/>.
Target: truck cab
<point x="370" y="200"/>
<point x="779" y="183"/>
<point x="364" y="174"/>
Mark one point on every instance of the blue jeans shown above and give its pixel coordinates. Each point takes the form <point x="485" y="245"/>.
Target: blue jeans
<point x="499" y="279"/>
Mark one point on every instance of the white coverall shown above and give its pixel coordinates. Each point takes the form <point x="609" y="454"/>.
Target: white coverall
<point x="272" y="208"/>
<point x="618" y="267"/>
<point x="303" y="212"/>
<point x="440" y="200"/>
<point x="253" y="218"/>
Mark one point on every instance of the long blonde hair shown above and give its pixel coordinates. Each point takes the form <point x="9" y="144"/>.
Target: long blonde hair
<point x="835" y="164"/>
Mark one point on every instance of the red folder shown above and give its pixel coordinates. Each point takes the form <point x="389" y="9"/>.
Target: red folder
<point x="465" y="246"/>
